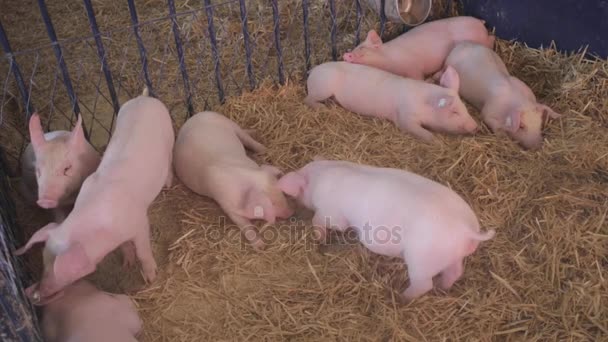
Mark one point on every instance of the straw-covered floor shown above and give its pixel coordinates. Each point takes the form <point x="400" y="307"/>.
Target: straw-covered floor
<point x="543" y="277"/>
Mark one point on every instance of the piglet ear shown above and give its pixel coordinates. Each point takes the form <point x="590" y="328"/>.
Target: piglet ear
<point x="292" y="184"/>
<point x="40" y="236"/>
<point x="373" y="39"/>
<point x="450" y="79"/>
<point x="77" y="138"/>
<point x="36" y="132"/>
<point x="513" y="121"/>
<point x="72" y="264"/>
<point x="258" y="206"/>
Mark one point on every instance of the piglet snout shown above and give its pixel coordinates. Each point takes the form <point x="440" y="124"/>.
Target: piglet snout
<point x="47" y="203"/>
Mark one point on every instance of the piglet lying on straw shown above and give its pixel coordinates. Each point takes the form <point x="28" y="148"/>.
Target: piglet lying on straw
<point x="111" y="209"/>
<point x="396" y="213"/>
<point x="421" y="51"/>
<point x="505" y="102"/>
<point x="54" y="165"/>
<point x="84" y="313"/>
<point x="414" y="106"/>
<point x="211" y="160"/>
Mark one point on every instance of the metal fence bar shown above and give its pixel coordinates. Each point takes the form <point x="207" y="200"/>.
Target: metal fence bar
<point x="306" y="35"/>
<point x="180" y="56"/>
<point x="448" y="8"/>
<point x="332" y="12"/>
<point x="382" y="17"/>
<point x="64" y="69"/>
<point x="277" y="39"/>
<point x="101" y="53"/>
<point x="247" y="44"/>
<point x="359" y="19"/>
<point x="216" y="57"/>
<point x="140" y="44"/>
<point x="25" y="95"/>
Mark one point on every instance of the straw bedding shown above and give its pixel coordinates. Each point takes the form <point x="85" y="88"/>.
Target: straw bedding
<point x="543" y="277"/>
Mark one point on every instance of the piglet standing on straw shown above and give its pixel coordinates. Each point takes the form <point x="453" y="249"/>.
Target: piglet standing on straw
<point x="505" y="102"/>
<point x="396" y="213"/>
<point x="421" y="51"/>
<point x="111" y="208"/>
<point x="416" y="107"/>
<point x="84" y="313"/>
<point x="211" y="160"/>
<point x="54" y="165"/>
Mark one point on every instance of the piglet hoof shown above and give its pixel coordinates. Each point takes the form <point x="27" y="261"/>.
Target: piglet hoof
<point x="149" y="271"/>
<point x="128" y="255"/>
<point x="254" y="238"/>
<point x="33" y="293"/>
<point x="403" y="300"/>
<point x="258" y="245"/>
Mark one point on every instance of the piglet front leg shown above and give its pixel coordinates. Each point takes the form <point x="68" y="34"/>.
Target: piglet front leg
<point x="248" y="230"/>
<point x="128" y="254"/>
<point x="143" y="250"/>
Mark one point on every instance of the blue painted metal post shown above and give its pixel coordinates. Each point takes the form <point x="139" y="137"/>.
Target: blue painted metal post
<point x="359" y="19"/>
<point x="180" y="56"/>
<point x="382" y="17"/>
<point x="101" y="53"/>
<point x="277" y="39"/>
<point x="216" y="57"/>
<point x="332" y="12"/>
<point x="140" y="44"/>
<point x="25" y="96"/>
<point x="247" y="44"/>
<point x="306" y="34"/>
<point x="59" y="55"/>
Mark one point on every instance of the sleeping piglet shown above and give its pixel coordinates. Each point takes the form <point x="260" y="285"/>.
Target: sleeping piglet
<point x="414" y="106"/>
<point x="54" y="165"/>
<point x="111" y="208"/>
<point x="505" y="102"/>
<point x="396" y="213"/>
<point x="211" y="160"/>
<point x="421" y="51"/>
<point x="85" y="313"/>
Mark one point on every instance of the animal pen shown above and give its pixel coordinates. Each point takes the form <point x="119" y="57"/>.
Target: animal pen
<point x="543" y="277"/>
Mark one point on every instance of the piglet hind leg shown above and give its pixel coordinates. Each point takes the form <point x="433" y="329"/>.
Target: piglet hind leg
<point x="422" y="266"/>
<point x="421" y="282"/>
<point x="450" y="275"/>
<point x="143" y="250"/>
<point x="317" y="92"/>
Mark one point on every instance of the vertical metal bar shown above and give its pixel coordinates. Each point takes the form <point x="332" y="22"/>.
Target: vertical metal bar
<point x="277" y="39"/>
<point x="140" y="44"/>
<point x="332" y="12"/>
<point x="59" y="55"/>
<point x="382" y="17"/>
<point x="306" y="35"/>
<point x="247" y="44"/>
<point x="216" y="57"/>
<point x="25" y="95"/>
<point x="101" y="53"/>
<point x="359" y="19"/>
<point x="448" y="8"/>
<point x="180" y="56"/>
